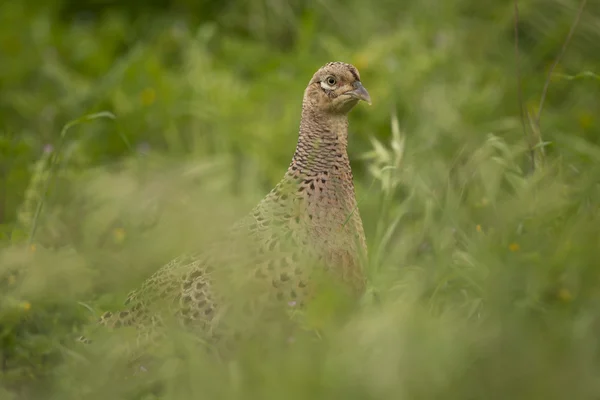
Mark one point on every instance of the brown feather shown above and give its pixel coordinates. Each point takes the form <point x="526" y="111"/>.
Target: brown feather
<point x="309" y="219"/>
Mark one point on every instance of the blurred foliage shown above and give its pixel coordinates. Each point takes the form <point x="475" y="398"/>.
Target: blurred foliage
<point x="485" y="273"/>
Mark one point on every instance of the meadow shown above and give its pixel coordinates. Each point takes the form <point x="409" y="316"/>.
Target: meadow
<point x="130" y="133"/>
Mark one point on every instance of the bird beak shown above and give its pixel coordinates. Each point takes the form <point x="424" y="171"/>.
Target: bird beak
<point x="360" y="92"/>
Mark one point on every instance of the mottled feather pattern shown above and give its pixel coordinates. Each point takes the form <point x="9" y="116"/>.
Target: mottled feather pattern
<point x="309" y="220"/>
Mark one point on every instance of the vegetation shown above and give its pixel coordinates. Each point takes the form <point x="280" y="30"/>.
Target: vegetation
<point x="132" y="132"/>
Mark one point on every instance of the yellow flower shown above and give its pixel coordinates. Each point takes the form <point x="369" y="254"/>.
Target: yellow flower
<point x="478" y="228"/>
<point x="514" y="247"/>
<point x="32" y="248"/>
<point x="483" y="202"/>
<point x="26" y="305"/>
<point x="564" y="295"/>
<point x="119" y="235"/>
<point x="586" y="119"/>
<point x="148" y="96"/>
<point x="362" y="61"/>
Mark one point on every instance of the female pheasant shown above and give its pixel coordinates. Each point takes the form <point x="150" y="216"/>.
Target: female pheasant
<point x="309" y="222"/>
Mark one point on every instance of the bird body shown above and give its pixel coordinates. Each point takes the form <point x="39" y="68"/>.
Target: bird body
<point x="308" y="221"/>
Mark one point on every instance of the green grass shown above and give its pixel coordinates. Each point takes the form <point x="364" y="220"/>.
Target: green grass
<point x="483" y="274"/>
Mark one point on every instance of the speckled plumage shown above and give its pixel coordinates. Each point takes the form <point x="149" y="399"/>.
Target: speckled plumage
<point x="309" y="220"/>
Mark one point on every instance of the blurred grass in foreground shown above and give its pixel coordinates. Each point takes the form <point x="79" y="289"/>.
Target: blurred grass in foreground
<point x="483" y="279"/>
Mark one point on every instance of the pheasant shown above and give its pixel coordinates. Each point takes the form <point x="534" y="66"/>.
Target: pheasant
<point x="308" y="222"/>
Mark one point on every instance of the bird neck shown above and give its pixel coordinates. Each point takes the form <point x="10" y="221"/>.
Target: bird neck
<point x="322" y="143"/>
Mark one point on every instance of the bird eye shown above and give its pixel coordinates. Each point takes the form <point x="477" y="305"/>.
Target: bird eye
<point x="331" y="81"/>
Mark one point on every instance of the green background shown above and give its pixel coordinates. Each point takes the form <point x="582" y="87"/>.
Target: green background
<point x="483" y="273"/>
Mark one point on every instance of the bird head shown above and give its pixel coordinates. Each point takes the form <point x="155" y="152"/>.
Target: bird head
<point x="336" y="88"/>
